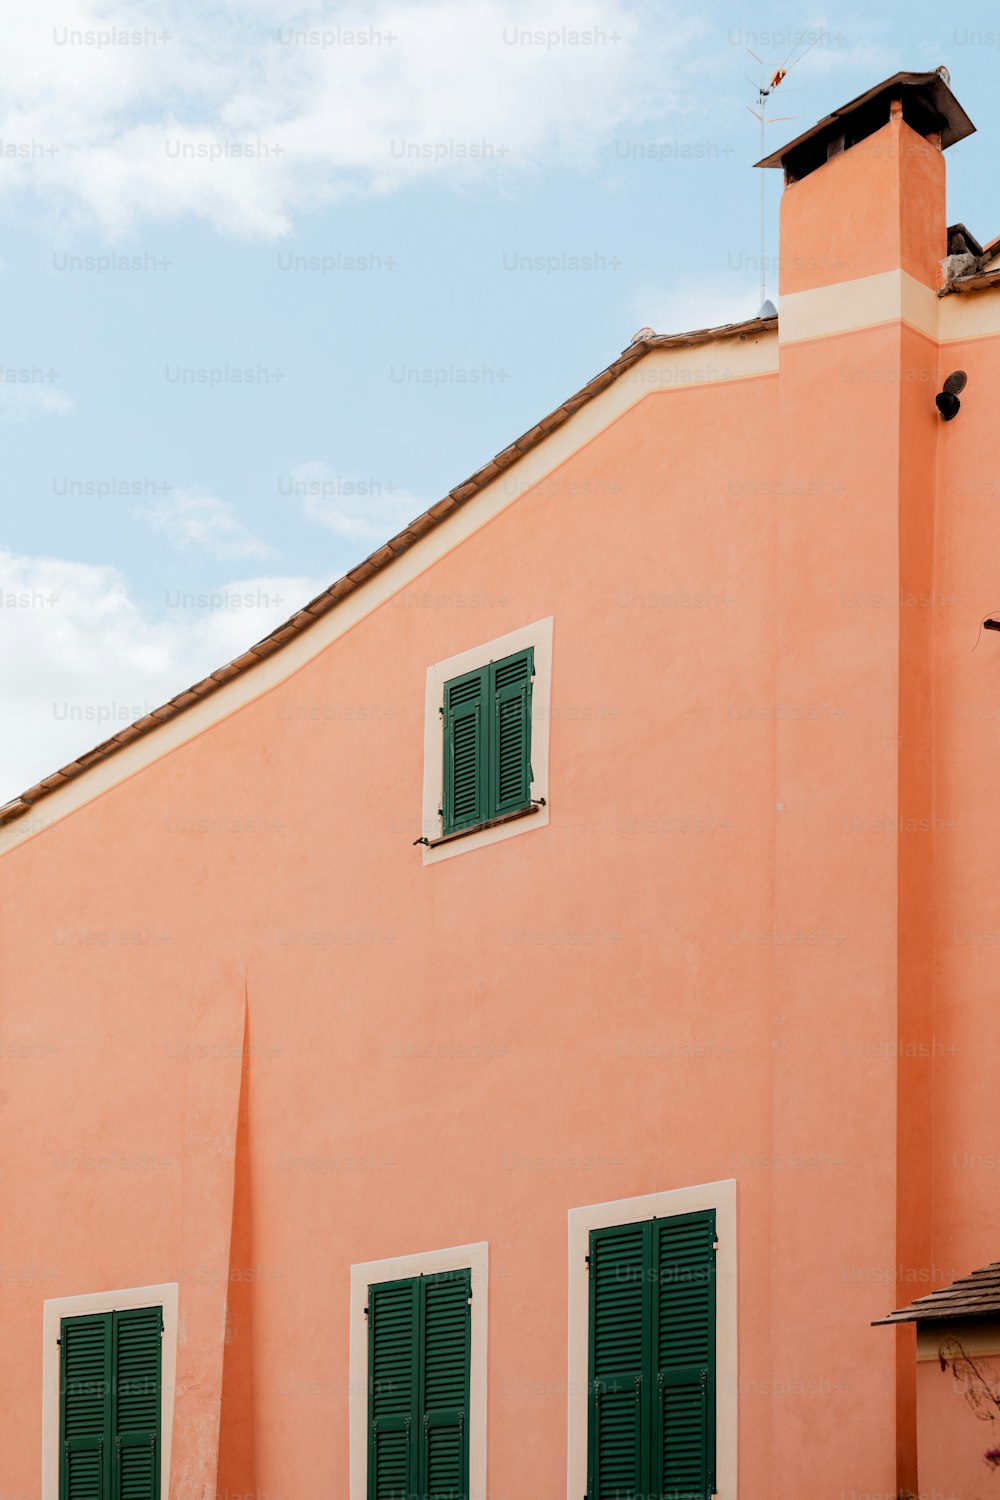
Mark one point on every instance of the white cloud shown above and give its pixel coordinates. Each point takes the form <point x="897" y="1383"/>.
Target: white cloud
<point x="123" y="132"/>
<point x="699" y="302"/>
<point x="189" y="519"/>
<point x="351" y="506"/>
<point x="21" y="402"/>
<point x="81" y="659"/>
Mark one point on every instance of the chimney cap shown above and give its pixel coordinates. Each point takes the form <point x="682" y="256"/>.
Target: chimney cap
<point x="928" y="104"/>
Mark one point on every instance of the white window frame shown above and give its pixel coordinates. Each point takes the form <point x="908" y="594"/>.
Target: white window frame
<point x="399" y="1268"/>
<point x="54" y="1309"/>
<point x="664" y="1205"/>
<point x="538" y="635"/>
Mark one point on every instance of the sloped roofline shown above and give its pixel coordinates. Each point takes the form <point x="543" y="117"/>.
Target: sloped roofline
<point x="376" y="562"/>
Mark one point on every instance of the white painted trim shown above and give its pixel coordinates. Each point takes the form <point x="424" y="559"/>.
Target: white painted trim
<point x="865" y="302"/>
<point x="718" y="1195"/>
<point x="538" y="635"/>
<point x="54" y="1309"/>
<point x="476" y="1258"/>
<point x="970" y="315"/>
<point x="660" y="370"/>
<point x="979" y="1336"/>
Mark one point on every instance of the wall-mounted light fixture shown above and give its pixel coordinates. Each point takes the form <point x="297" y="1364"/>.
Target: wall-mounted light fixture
<point x="946" y="400"/>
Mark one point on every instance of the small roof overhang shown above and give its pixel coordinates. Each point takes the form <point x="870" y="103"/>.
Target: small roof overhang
<point x="973" y="1296"/>
<point x="928" y="105"/>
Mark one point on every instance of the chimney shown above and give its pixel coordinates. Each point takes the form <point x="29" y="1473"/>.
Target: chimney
<point x="864" y="188"/>
<point x="863" y="232"/>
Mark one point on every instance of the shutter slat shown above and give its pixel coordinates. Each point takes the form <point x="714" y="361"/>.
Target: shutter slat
<point x="446" y="1375"/>
<point x="510" y="742"/>
<point x="684" y="1344"/>
<point x="465" y="751"/>
<point x="392" y="1386"/>
<point x="85" y="1407"/>
<point x="136" y="1400"/>
<point x="618" y="1353"/>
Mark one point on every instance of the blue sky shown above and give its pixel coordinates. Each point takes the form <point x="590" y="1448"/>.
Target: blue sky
<point x="277" y="276"/>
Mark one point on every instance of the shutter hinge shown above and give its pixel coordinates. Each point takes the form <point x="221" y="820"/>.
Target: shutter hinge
<point x="715" y="1243"/>
<point x="588" y="1262"/>
<point x="366" y="1309"/>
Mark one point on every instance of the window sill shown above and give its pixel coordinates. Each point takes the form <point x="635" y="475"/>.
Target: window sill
<point x="461" y="833"/>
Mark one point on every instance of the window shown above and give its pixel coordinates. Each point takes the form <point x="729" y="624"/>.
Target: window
<point x="487" y="742"/>
<point x="651" y="1376"/>
<point x="418" y="1387"/>
<point x="110" y="1391"/>
<point x="487" y="716"/>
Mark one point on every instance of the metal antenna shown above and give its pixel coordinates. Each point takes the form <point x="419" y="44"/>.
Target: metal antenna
<point x="765" y="88"/>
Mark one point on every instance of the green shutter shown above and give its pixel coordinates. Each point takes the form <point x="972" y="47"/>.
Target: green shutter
<point x="487" y="742"/>
<point x="85" y="1408"/>
<point x="393" y="1389"/>
<point x="684" y="1350"/>
<point x="110" y="1405"/>
<point x="466" y="751"/>
<point x="136" y="1339"/>
<point x="510" y="739"/>
<point x="418" y="1387"/>
<point x="652" y="1360"/>
<point x="619" y="1353"/>
<point x="444" y="1467"/>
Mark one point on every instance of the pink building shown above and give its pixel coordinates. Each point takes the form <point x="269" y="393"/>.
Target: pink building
<point x="512" y="1031"/>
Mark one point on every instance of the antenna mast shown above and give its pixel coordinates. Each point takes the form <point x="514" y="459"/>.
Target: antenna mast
<point x="765" y="88"/>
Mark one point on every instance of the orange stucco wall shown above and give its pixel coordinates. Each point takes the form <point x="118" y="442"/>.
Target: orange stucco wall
<point x="877" y="207"/>
<point x="713" y="962"/>
<point x="953" y="1439"/>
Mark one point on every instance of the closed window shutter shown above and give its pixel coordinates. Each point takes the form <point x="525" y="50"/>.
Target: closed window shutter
<point x="110" y="1405"/>
<point x="418" y="1387"/>
<point x="85" y="1408"/>
<point x="393" y="1380"/>
<point x="510" y="741"/>
<point x="684" y="1350"/>
<point x="619" y="1353"/>
<point x="466" y="751"/>
<point x="136" y="1341"/>
<point x="446" y="1348"/>
<point x="652" y="1360"/>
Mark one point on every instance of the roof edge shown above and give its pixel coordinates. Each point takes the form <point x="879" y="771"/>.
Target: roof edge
<point x="378" y="560"/>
